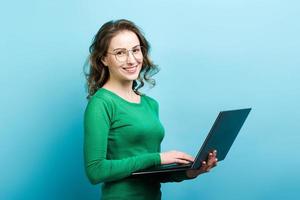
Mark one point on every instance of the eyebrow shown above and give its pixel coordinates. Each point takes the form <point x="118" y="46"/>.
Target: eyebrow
<point x="125" y="48"/>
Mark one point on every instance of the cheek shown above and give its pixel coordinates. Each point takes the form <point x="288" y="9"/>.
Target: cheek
<point x="141" y="64"/>
<point x="114" y="64"/>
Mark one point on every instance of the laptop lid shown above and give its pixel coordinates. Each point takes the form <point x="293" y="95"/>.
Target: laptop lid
<point x="222" y="135"/>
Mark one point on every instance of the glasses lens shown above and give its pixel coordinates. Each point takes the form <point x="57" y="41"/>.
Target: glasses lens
<point x="137" y="52"/>
<point x="123" y="54"/>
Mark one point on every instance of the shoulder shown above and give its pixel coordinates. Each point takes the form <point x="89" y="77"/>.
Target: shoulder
<point x="98" y="97"/>
<point x="100" y="101"/>
<point x="101" y="94"/>
<point x="150" y="100"/>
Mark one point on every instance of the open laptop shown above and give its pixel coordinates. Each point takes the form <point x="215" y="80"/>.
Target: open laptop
<point x="220" y="137"/>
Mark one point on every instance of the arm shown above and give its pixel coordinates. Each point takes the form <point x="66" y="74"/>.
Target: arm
<point x="96" y="128"/>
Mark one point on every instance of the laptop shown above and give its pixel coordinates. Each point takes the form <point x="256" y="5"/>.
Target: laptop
<point x="220" y="137"/>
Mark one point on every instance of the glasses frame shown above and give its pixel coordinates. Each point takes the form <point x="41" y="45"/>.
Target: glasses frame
<point x="143" y="50"/>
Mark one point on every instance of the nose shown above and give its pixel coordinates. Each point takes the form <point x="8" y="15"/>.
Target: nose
<point x="130" y="58"/>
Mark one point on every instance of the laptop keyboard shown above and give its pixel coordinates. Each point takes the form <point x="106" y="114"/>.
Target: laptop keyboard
<point x="172" y="166"/>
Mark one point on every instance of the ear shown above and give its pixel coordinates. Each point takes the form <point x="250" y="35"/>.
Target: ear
<point x="104" y="60"/>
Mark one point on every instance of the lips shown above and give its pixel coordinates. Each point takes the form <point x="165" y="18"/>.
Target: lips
<point x="130" y="69"/>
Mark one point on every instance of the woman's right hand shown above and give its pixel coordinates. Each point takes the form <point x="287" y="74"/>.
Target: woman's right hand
<point x="175" y="157"/>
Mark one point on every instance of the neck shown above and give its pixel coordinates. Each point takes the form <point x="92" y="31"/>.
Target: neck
<point x="122" y="88"/>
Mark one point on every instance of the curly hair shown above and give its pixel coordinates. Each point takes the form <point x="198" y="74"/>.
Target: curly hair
<point x="98" y="74"/>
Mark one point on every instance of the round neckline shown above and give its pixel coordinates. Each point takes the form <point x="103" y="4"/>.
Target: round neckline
<point x="122" y="99"/>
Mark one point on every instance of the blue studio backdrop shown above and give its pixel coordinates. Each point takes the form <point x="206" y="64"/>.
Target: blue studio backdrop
<point x="213" y="55"/>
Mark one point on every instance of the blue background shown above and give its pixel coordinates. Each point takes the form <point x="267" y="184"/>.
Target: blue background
<point x="214" y="55"/>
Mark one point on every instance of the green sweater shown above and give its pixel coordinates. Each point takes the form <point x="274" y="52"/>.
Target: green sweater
<point x="121" y="137"/>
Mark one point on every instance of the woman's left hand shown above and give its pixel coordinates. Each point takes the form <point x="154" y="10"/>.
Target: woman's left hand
<point x="205" y="167"/>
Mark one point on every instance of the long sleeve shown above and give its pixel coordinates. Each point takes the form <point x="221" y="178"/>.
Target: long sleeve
<point x="97" y="123"/>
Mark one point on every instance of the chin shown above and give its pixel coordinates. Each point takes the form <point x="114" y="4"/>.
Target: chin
<point x="131" y="73"/>
<point x="131" y="78"/>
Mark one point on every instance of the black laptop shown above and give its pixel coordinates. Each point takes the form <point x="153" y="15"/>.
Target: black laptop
<point x="220" y="137"/>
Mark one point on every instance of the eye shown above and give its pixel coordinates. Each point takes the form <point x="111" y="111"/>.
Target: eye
<point x="121" y="53"/>
<point x="137" y="50"/>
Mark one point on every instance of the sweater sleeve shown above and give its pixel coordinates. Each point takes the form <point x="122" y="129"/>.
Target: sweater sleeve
<point x="97" y="120"/>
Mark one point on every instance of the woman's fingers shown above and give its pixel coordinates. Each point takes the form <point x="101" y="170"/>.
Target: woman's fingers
<point x="214" y="153"/>
<point x="211" y="159"/>
<point x="211" y="162"/>
<point x="184" y="156"/>
<point x="206" y="165"/>
<point x="181" y="161"/>
<point x="175" y="157"/>
<point x="188" y="157"/>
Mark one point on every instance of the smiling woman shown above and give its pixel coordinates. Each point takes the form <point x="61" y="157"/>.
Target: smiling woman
<point x="124" y="40"/>
<point x="124" y="66"/>
<point x="123" y="132"/>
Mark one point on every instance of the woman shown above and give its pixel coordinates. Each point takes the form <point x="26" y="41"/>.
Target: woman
<point x="122" y="128"/>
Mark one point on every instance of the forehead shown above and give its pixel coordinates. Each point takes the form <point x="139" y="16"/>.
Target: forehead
<point x="124" y="39"/>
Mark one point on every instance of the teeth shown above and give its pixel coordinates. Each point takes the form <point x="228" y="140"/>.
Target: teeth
<point x="130" y="69"/>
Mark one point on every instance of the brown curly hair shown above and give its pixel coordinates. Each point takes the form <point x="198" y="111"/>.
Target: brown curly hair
<point x="99" y="74"/>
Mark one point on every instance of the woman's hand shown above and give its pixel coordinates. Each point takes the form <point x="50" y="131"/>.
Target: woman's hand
<point x="175" y="157"/>
<point x="206" y="166"/>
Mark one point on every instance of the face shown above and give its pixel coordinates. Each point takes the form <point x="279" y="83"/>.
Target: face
<point x="121" y="69"/>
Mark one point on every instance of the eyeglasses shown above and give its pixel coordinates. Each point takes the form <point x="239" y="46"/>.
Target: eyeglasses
<point x="123" y="54"/>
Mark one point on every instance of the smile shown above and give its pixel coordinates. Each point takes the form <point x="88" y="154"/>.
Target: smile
<point x="130" y="69"/>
